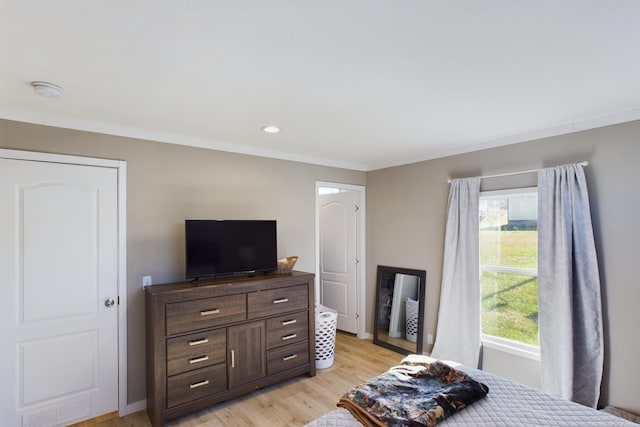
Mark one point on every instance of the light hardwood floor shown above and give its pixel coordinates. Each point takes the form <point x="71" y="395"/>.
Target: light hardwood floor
<point x="294" y="402"/>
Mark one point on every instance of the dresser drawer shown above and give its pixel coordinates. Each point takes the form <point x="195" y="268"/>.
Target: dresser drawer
<point x="196" y="351"/>
<point x="288" y="357"/>
<point x="277" y="301"/>
<point x="287" y="329"/>
<point x="193" y="385"/>
<point x="205" y="313"/>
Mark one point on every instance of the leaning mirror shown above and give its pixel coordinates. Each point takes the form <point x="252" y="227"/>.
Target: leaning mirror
<point x="399" y="312"/>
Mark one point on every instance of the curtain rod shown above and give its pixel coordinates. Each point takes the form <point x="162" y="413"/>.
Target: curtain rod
<point x="583" y="164"/>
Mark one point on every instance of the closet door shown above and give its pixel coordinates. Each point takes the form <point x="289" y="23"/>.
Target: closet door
<point x="58" y="278"/>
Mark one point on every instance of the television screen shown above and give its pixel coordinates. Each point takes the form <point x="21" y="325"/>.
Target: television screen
<point x="223" y="247"/>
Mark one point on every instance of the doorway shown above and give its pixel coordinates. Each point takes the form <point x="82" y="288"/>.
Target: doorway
<point x="340" y="258"/>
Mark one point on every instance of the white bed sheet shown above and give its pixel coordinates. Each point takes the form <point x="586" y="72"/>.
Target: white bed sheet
<point x="508" y="404"/>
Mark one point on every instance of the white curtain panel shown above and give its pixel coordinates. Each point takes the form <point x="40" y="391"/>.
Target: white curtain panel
<point x="570" y="309"/>
<point x="458" y="335"/>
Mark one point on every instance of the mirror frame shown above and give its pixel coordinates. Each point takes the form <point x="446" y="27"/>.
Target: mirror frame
<point x="385" y="271"/>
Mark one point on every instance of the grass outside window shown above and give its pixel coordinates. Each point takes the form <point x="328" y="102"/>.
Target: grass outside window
<point x="510" y="306"/>
<point x="508" y="281"/>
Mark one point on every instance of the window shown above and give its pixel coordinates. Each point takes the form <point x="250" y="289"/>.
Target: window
<point x="509" y="269"/>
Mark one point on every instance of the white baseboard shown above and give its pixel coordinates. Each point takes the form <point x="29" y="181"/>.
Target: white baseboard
<point x="133" y="407"/>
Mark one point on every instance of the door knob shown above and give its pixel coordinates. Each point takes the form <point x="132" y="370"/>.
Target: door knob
<point x="109" y="302"/>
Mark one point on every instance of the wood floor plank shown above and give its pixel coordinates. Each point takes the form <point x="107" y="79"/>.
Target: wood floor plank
<point x="96" y="420"/>
<point x="292" y="403"/>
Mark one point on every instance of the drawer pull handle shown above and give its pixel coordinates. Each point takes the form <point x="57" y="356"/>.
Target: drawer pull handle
<point x="199" y="359"/>
<point x="280" y="301"/>
<point x="233" y="359"/>
<point x="290" y="357"/>
<point x="198" y="342"/>
<point x="288" y="337"/>
<point x="208" y="312"/>
<point x="200" y="384"/>
<point x="289" y="322"/>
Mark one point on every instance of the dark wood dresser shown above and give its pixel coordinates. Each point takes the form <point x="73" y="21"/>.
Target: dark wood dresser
<point x="222" y="338"/>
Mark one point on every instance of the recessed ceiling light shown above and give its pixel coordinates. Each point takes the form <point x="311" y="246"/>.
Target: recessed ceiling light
<point x="47" y="89"/>
<point x="271" y="129"/>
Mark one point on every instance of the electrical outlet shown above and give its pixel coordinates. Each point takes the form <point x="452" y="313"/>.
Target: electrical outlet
<point x="429" y="339"/>
<point x="146" y="281"/>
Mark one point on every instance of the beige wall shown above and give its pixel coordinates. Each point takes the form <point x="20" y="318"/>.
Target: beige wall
<point x="167" y="184"/>
<point x="406" y="208"/>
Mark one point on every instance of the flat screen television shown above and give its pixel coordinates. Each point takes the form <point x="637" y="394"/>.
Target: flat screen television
<point x="225" y="247"/>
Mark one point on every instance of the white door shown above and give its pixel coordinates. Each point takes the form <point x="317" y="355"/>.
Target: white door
<point x="58" y="277"/>
<point x="338" y="257"/>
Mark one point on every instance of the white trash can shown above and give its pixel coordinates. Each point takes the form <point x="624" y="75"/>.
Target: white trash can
<point x="412" y="320"/>
<point x="326" y="321"/>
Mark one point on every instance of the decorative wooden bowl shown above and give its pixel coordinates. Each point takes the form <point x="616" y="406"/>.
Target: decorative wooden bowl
<point x="285" y="265"/>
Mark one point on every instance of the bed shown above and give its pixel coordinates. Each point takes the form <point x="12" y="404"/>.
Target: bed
<point x="506" y="404"/>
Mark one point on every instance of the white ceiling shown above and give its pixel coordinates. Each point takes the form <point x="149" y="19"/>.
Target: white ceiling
<point x="359" y="84"/>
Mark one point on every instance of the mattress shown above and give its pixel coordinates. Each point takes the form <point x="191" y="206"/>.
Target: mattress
<point x="507" y="404"/>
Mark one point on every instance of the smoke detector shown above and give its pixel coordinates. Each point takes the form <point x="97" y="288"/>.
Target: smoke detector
<point x="48" y="90"/>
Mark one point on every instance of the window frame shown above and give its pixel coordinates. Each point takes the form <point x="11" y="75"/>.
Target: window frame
<point x="491" y="341"/>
